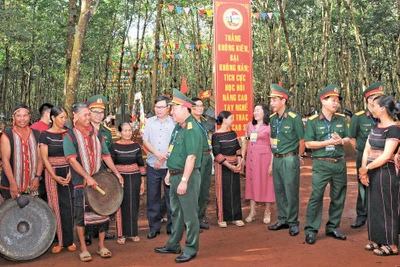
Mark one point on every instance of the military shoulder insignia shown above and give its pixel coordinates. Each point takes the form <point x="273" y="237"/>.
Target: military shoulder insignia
<point x="313" y="117"/>
<point x="292" y="114"/>
<point x="360" y="113"/>
<point x="273" y="114"/>
<point x="189" y="125"/>
<point x="339" y="114"/>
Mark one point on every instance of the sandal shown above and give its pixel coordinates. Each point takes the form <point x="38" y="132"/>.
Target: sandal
<point x="72" y="247"/>
<point x="267" y="218"/>
<point x="239" y="223"/>
<point x="371" y="246"/>
<point x="135" y="238"/>
<point x="251" y="217"/>
<point x="222" y="224"/>
<point x="121" y="240"/>
<point x="385" y="250"/>
<point x="56" y="249"/>
<point x="104" y="253"/>
<point x="85" y="256"/>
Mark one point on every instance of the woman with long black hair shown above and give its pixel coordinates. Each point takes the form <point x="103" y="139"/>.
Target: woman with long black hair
<point x="378" y="173"/>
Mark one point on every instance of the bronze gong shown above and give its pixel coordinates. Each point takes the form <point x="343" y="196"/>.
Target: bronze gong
<point x="27" y="228"/>
<point x="110" y="202"/>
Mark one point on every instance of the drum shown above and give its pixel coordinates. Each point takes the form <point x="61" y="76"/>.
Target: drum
<point x="27" y="228"/>
<point x="110" y="202"/>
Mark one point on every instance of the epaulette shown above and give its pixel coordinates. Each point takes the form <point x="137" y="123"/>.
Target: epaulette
<point x="360" y="113"/>
<point x="292" y="114"/>
<point x="313" y="117"/>
<point x="273" y="114"/>
<point x="339" y="114"/>
<point x="189" y="125"/>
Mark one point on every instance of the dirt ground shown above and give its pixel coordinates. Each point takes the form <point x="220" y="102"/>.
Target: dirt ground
<point x="252" y="245"/>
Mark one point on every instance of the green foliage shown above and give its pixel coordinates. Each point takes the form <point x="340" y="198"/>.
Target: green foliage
<point x="33" y="44"/>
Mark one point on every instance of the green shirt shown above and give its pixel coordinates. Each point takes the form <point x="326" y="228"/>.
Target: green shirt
<point x="185" y="139"/>
<point x="106" y="134"/>
<point x="360" y="126"/>
<point x="317" y="130"/>
<point x="288" y="130"/>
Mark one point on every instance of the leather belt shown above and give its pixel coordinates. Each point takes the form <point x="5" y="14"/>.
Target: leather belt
<point x="207" y="153"/>
<point x="332" y="159"/>
<point x="176" y="172"/>
<point x="286" y="155"/>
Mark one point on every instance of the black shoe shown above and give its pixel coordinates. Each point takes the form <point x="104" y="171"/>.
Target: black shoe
<point x="88" y="240"/>
<point x="336" y="235"/>
<point x="109" y="236"/>
<point x="169" y="232"/>
<point x="357" y="224"/>
<point x="278" y="226"/>
<point x="152" y="235"/>
<point x="293" y="230"/>
<point x="184" y="257"/>
<point x="200" y="230"/>
<point x="164" y="250"/>
<point x="204" y="226"/>
<point x="310" y="239"/>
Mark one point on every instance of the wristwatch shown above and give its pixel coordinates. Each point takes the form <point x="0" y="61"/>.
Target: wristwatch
<point x="184" y="179"/>
<point x="38" y="176"/>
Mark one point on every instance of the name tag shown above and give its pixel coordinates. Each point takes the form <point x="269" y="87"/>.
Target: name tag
<point x="253" y="137"/>
<point x="331" y="147"/>
<point x="274" y="143"/>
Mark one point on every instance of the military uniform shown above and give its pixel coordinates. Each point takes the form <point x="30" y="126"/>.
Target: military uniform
<point x="360" y="126"/>
<point x="329" y="167"/>
<point x="106" y="133"/>
<point x="185" y="141"/>
<point x="205" y="170"/>
<point x="286" y="132"/>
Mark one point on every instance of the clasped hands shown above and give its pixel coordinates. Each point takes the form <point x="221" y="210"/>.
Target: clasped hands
<point x="336" y="139"/>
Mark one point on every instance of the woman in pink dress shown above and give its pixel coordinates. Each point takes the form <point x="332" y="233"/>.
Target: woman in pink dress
<point x="256" y="149"/>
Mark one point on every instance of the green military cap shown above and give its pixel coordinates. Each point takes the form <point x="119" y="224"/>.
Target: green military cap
<point x="277" y="91"/>
<point x="97" y="101"/>
<point x="180" y="99"/>
<point x="330" y="90"/>
<point x="374" y="89"/>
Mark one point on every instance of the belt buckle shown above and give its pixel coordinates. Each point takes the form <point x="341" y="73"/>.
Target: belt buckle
<point x="335" y="160"/>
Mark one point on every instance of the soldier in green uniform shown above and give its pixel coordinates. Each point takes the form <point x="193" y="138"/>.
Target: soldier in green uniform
<point x="287" y="134"/>
<point x="97" y="106"/>
<point x="360" y="126"/>
<point x="326" y="134"/>
<point x="206" y="162"/>
<point x="184" y="160"/>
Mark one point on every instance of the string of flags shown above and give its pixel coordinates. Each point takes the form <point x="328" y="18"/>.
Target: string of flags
<point x="209" y="12"/>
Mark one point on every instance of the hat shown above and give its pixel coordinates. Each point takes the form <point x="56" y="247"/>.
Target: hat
<point x="97" y="101"/>
<point x="374" y="89"/>
<point x="180" y="99"/>
<point x="330" y="90"/>
<point x="277" y="91"/>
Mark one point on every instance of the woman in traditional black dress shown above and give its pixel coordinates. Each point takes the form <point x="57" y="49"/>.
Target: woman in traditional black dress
<point x="228" y="157"/>
<point x="378" y="173"/>
<point x="58" y="186"/>
<point x="128" y="160"/>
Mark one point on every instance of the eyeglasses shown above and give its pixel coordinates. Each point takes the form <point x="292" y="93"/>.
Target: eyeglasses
<point x="160" y="107"/>
<point x="98" y="112"/>
<point x="199" y="106"/>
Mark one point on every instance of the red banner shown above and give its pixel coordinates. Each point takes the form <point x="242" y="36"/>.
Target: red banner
<point x="233" y="61"/>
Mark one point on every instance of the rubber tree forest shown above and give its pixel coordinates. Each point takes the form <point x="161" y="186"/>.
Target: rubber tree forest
<point x="64" y="51"/>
